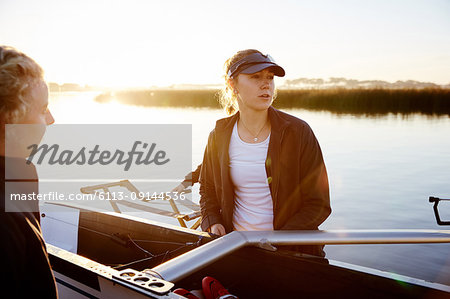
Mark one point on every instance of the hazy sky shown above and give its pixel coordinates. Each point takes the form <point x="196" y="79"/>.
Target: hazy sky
<point x="145" y="43"/>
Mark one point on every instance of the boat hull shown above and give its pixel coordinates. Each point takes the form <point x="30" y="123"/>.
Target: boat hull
<point x="119" y="242"/>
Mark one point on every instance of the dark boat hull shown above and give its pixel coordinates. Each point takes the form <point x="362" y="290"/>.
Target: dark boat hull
<point x="121" y="242"/>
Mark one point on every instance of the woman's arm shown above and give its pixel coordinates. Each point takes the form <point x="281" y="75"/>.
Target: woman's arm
<point x="209" y="203"/>
<point x="190" y="179"/>
<point x="313" y="188"/>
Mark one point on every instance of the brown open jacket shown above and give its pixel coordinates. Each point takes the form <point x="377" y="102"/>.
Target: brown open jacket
<point x="295" y="170"/>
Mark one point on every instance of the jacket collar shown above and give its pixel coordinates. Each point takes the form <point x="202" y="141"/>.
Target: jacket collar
<point x="277" y="122"/>
<point x="224" y="128"/>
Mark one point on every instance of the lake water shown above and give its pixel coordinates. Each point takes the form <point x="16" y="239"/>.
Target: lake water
<point x="381" y="171"/>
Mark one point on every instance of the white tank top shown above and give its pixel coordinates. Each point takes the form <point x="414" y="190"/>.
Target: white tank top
<point x="253" y="201"/>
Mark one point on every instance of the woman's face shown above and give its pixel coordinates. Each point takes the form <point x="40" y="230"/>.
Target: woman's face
<point x="38" y="117"/>
<point x="255" y="91"/>
<point x="38" y="113"/>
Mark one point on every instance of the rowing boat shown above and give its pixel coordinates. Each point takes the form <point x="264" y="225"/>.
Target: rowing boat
<point x="117" y="255"/>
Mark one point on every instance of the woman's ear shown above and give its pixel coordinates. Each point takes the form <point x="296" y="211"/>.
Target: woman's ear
<point x="231" y="85"/>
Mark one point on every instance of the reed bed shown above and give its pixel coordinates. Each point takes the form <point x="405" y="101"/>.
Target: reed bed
<point x="433" y="101"/>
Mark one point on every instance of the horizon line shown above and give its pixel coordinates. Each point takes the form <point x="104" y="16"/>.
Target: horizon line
<point x="332" y="81"/>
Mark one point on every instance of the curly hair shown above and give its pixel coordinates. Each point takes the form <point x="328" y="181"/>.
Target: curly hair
<point x="18" y="75"/>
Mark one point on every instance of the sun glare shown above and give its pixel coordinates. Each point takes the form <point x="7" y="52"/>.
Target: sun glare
<point x="156" y="43"/>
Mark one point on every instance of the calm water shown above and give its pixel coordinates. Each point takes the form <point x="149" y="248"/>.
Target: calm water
<point x="381" y="172"/>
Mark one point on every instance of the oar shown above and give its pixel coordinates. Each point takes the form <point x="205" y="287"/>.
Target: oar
<point x="190" y="262"/>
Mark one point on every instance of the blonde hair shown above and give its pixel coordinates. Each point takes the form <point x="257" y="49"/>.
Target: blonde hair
<point x="228" y="98"/>
<point x="18" y="75"/>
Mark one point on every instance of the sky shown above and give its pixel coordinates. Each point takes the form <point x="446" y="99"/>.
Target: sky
<point x="143" y="43"/>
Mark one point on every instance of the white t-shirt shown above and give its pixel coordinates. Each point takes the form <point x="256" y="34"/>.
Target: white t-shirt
<point x="253" y="201"/>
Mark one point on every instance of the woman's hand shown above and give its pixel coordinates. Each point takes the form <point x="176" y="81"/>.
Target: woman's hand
<point x="179" y="188"/>
<point x="217" y="229"/>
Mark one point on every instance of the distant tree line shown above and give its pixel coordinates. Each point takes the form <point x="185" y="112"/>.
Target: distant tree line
<point x="338" y="82"/>
<point x="430" y="101"/>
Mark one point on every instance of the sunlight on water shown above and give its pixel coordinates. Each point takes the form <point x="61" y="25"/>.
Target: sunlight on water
<point x="73" y="108"/>
<point x="79" y="108"/>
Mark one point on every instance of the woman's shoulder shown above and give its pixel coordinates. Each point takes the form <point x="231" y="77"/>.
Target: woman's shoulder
<point x="223" y="122"/>
<point x="291" y="120"/>
<point x="223" y="126"/>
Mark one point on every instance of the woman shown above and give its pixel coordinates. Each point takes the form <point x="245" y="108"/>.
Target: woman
<point x="262" y="169"/>
<point x="23" y="100"/>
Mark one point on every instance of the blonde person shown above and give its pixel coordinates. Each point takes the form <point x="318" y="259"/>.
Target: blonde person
<point x="262" y="169"/>
<point x="23" y="100"/>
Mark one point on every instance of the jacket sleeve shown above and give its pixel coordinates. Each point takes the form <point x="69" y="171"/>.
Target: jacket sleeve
<point x="192" y="177"/>
<point x="209" y="203"/>
<point x="313" y="190"/>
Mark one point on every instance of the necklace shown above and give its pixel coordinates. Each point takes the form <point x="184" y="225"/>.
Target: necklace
<point x="255" y="139"/>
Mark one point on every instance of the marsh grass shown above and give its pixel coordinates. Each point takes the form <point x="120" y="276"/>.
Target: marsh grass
<point x="353" y="101"/>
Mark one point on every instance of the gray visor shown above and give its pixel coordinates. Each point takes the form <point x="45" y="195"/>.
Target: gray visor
<point x="254" y="63"/>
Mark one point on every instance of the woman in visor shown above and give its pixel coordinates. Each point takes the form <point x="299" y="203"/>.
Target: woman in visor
<point x="262" y="168"/>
